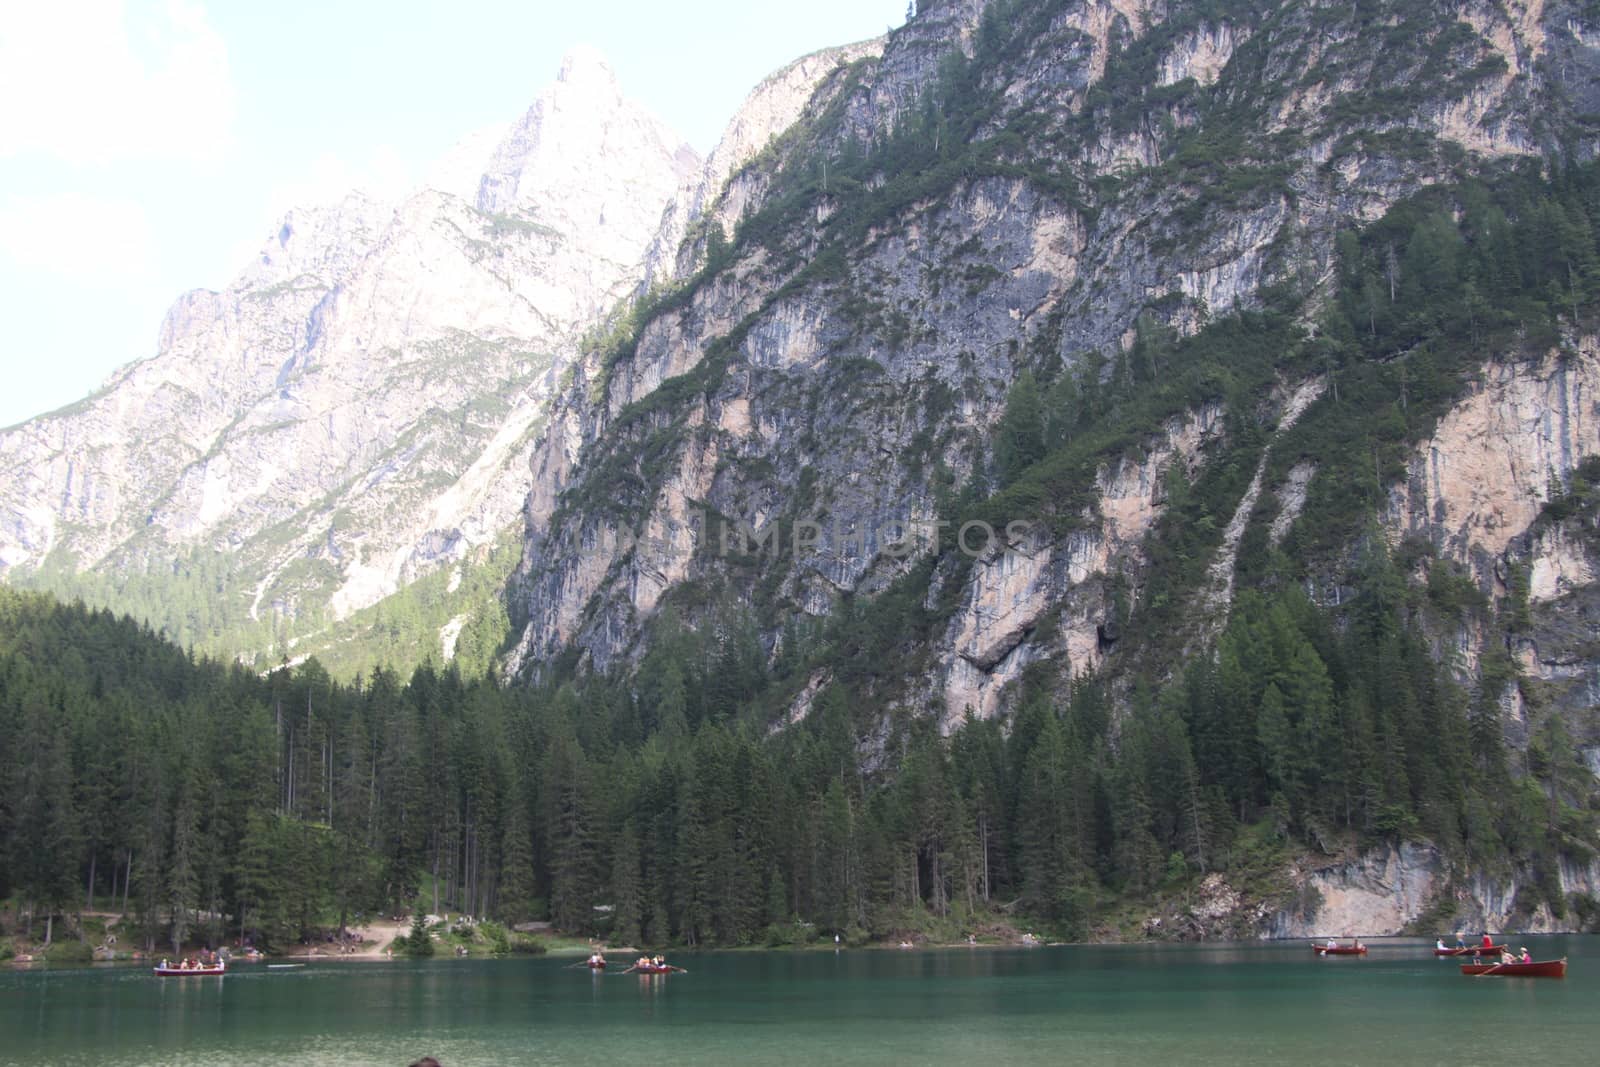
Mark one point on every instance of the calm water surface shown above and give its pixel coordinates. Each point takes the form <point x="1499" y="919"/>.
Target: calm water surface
<point x="1210" y="1004"/>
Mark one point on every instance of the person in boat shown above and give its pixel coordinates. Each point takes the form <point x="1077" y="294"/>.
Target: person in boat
<point x="1333" y="943"/>
<point x="1488" y="942"/>
<point x="1439" y="944"/>
<point x="1477" y="957"/>
<point x="1460" y="943"/>
<point x="1506" y="957"/>
<point x="1525" y="957"/>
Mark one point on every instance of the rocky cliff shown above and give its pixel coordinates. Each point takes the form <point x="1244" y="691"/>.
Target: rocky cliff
<point x="770" y="391"/>
<point x="1400" y="889"/>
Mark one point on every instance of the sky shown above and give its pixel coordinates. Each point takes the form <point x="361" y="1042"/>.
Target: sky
<point x="148" y="147"/>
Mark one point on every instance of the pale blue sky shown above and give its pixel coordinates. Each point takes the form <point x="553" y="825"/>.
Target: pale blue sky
<point x="147" y="146"/>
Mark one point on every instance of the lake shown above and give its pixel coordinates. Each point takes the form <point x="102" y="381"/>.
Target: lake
<point x="1135" y="1004"/>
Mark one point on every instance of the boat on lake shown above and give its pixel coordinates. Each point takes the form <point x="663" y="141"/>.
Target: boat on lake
<point x="1534" y="969"/>
<point x="1339" y="950"/>
<point x="189" y="972"/>
<point x="1470" y="950"/>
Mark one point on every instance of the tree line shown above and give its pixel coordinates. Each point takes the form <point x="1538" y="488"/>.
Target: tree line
<point x="212" y="803"/>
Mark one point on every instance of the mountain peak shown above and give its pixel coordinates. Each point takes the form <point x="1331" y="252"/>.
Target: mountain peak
<point x="585" y="66"/>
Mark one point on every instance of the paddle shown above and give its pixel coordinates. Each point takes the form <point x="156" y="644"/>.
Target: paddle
<point x="1491" y="970"/>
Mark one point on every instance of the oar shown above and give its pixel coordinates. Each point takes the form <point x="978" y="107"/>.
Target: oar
<point x="1491" y="970"/>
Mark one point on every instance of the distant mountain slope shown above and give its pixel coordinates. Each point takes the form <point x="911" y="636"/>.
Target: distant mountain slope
<point x="357" y="409"/>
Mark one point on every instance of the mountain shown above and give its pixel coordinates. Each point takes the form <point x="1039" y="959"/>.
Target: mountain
<point x="1124" y="465"/>
<point x="356" y="410"/>
<point x="1127" y="170"/>
<point x="1086" y="339"/>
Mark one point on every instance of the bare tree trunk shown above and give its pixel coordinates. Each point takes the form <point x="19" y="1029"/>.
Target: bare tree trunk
<point x="90" y="905"/>
<point x="983" y="837"/>
<point x="372" y="794"/>
<point x="290" y="775"/>
<point x="435" y="872"/>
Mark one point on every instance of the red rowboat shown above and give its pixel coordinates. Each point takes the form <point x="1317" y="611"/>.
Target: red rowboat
<point x="1468" y="951"/>
<point x="597" y="965"/>
<point x="192" y="972"/>
<point x="1538" y="969"/>
<point x="1339" y="950"/>
<point x="650" y="968"/>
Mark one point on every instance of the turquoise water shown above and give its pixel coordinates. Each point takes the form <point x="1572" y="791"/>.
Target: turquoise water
<point x="1210" y="1004"/>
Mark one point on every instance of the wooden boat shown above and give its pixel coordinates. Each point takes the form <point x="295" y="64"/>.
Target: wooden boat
<point x="1536" y="969"/>
<point x="1493" y="950"/>
<point x="651" y="968"/>
<point x="597" y="965"/>
<point x="191" y="972"/>
<point x="1339" y="950"/>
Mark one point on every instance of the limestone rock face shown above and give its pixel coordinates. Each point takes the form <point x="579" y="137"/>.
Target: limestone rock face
<point x="588" y="164"/>
<point x="725" y="189"/>
<point x="1492" y="462"/>
<point x="776" y="395"/>
<point x="357" y="407"/>
<point x="1382" y="892"/>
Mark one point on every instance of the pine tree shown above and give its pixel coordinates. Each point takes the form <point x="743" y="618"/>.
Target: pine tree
<point x="518" y="886"/>
<point x="627" y="899"/>
<point x="182" y="879"/>
<point x="1019" y="441"/>
<point x="419" y="942"/>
